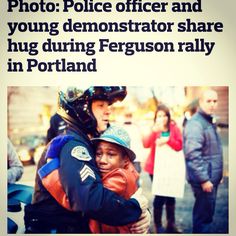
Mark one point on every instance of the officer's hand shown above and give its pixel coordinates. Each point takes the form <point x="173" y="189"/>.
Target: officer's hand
<point x="142" y="200"/>
<point x="143" y="224"/>
<point x="56" y="145"/>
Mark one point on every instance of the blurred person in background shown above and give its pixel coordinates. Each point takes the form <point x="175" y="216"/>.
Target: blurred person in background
<point x="190" y="110"/>
<point x="57" y="127"/>
<point x="14" y="166"/>
<point x="164" y="132"/>
<point x="204" y="160"/>
<point x="14" y="173"/>
<point x="136" y="140"/>
<point x="57" y="123"/>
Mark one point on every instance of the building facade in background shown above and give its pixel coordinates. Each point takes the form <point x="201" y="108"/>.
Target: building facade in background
<point x="30" y="107"/>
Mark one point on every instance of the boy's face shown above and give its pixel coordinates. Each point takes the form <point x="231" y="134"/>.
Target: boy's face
<point x="109" y="157"/>
<point x="101" y="112"/>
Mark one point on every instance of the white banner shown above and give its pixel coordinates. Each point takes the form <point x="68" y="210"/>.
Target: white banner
<point x="169" y="172"/>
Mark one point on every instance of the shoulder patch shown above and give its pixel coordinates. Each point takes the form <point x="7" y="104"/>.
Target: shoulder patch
<point x="81" y="153"/>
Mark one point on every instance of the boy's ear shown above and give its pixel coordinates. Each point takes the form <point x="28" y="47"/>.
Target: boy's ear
<point x="126" y="159"/>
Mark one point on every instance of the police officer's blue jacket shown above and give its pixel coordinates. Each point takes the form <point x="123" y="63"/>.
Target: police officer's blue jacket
<point x="203" y="150"/>
<point x="82" y="184"/>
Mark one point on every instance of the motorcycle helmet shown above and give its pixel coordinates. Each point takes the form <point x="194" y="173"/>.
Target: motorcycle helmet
<point x="75" y="105"/>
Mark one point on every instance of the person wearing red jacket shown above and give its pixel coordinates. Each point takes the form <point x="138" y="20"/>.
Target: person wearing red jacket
<point x="164" y="132"/>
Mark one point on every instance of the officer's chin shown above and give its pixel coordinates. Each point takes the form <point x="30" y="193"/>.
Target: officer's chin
<point x="101" y="131"/>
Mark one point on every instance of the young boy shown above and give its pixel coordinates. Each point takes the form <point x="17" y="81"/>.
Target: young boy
<point x="114" y="160"/>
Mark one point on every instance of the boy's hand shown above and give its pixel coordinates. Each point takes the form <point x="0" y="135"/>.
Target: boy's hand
<point x="142" y="200"/>
<point x="143" y="224"/>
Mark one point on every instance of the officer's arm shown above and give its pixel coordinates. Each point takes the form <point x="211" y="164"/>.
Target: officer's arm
<point x="83" y="186"/>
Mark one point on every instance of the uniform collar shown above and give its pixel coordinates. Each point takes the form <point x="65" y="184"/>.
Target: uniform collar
<point x="77" y="133"/>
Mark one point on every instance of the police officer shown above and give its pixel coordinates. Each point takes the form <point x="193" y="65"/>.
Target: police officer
<point x="72" y="157"/>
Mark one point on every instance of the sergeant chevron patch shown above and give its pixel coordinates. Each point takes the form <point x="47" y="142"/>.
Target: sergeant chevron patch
<point x="85" y="172"/>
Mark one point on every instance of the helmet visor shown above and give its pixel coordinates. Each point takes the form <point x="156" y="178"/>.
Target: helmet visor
<point x="108" y="93"/>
